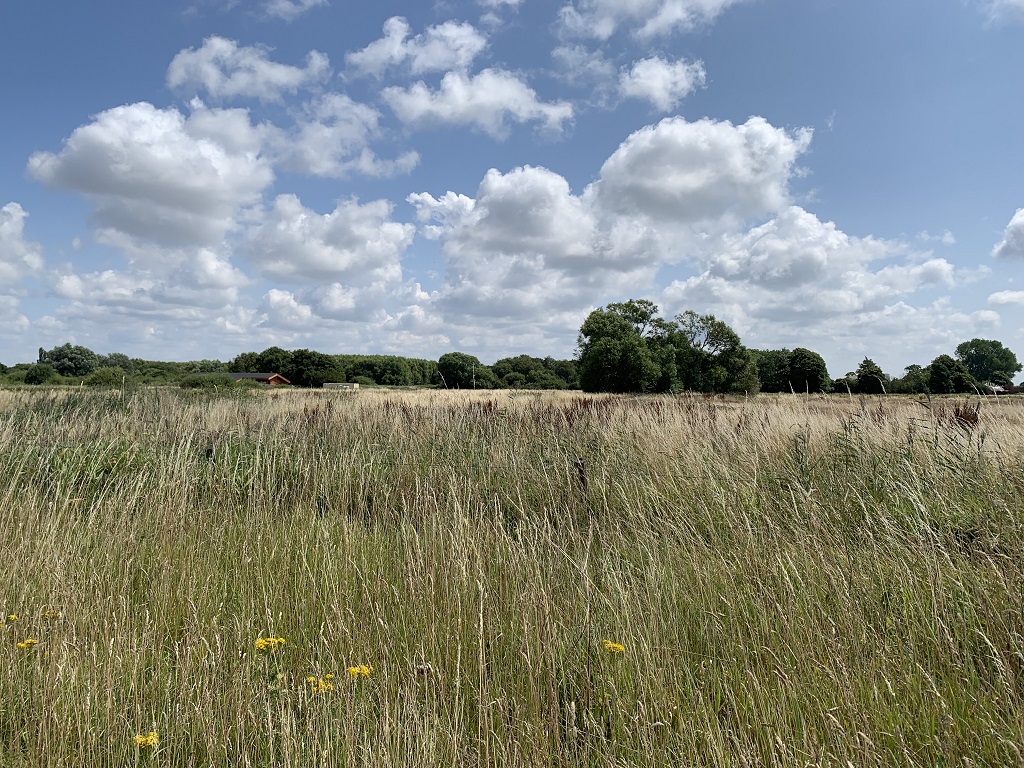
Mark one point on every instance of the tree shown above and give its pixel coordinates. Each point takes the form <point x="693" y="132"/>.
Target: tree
<point x="914" y="381"/>
<point x="70" y="360"/>
<point x="247" y="362"/>
<point x="462" y="371"/>
<point x="307" y="368"/>
<point x="710" y="357"/>
<point x="275" y="360"/>
<point x="613" y="355"/>
<point x="808" y="372"/>
<point x="988" y="361"/>
<point x="40" y="373"/>
<point x="870" y="380"/>
<point x="117" y="360"/>
<point x="773" y="369"/>
<point x="947" y="376"/>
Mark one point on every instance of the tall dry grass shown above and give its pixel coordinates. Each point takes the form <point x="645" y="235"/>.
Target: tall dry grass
<point x="794" y="581"/>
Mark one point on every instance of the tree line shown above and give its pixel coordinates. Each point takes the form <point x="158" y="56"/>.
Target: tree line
<point x="622" y="347"/>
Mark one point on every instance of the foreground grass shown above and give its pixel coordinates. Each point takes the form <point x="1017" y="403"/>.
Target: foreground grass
<point x="792" y="581"/>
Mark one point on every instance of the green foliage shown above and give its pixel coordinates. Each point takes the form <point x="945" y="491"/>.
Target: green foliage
<point x="808" y="372"/>
<point x="948" y="376"/>
<point x="773" y="369"/>
<point x="117" y="360"/>
<point x="869" y="379"/>
<point x="461" y="371"/>
<point x="207" y="381"/>
<point x="307" y="368"/>
<point x="108" y="376"/>
<point x="626" y="347"/>
<point x="525" y="372"/>
<point x="41" y="373"/>
<point x="914" y="381"/>
<point x="988" y="361"/>
<point x="70" y="360"/>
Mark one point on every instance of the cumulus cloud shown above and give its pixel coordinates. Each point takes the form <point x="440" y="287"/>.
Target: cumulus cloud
<point x="156" y="174"/>
<point x="647" y="18"/>
<point x="661" y="82"/>
<point x="1006" y="298"/>
<point x="331" y="139"/>
<point x="289" y="10"/>
<point x="447" y="46"/>
<point x="357" y="243"/>
<point x="796" y="268"/>
<point x="702" y="172"/>
<point x="487" y="101"/>
<point x="1012" y="244"/>
<point x="18" y="256"/>
<point x="224" y="70"/>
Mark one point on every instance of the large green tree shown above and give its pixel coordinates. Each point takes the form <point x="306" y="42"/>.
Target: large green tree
<point x="70" y="360"/>
<point x="459" y="370"/>
<point x="808" y="372"/>
<point x="988" y="361"/>
<point x="613" y="353"/>
<point x="772" y="369"/>
<point x="947" y="376"/>
<point x="869" y="378"/>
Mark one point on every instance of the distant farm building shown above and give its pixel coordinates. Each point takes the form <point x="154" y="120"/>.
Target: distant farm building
<point x="348" y="387"/>
<point x="267" y="379"/>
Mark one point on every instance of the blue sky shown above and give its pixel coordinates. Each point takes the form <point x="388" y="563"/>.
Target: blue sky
<point x="194" y="180"/>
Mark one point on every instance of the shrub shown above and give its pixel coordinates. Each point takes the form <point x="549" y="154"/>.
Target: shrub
<point x="207" y="381"/>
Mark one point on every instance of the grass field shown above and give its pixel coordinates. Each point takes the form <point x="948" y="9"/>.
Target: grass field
<point x="501" y="579"/>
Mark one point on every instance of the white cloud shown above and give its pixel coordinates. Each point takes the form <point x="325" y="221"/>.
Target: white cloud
<point x="18" y="256"/>
<point x="580" y="67"/>
<point x="487" y="101"/>
<point x="1005" y="10"/>
<point x="500" y="3"/>
<point x="1006" y="298"/>
<point x="703" y="172"/>
<point x="447" y="46"/>
<point x="661" y="82"/>
<point x="331" y="140"/>
<point x="946" y="237"/>
<point x="226" y="71"/>
<point x="1012" y="244"/>
<point x="648" y="18"/>
<point x="358" y="243"/>
<point x="156" y="174"/>
<point x="290" y="9"/>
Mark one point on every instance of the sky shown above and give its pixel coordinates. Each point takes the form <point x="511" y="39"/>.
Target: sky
<point x="196" y="179"/>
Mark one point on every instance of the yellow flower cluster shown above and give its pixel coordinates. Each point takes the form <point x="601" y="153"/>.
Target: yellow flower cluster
<point x="266" y="644"/>
<point x="144" y="740"/>
<point x="321" y="684"/>
<point x="12" y="617"/>
<point x="49" y="613"/>
<point x="363" y="670"/>
<point x="613" y="647"/>
<point x="28" y="642"/>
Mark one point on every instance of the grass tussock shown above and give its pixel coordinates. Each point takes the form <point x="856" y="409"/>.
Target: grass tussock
<point x="509" y="580"/>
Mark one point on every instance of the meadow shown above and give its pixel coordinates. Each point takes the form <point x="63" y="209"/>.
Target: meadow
<point x="431" y="578"/>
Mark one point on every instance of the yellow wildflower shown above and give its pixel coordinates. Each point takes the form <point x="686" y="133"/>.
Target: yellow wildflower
<point x="613" y="647"/>
<point x="321" y="684"/>
<point x="144" y="740"/>
<point x="28" y="642"/>
<point x="12" y="617"/>
<point x="265" y="644"/>
<point x="49" y="613"/>
<point x="363" y="670"/>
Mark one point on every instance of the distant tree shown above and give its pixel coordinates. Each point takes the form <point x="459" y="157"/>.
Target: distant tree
<point x="913" y="381"/>
<point x="773" y="369"/>
<point x="988" y="361"/>
<point x="307" y="368"/>
<point x="70" y="360"/>
<point x="947" y="376"/>
<point x="247" y="362"/>
<point x="808" y="372"/>
<point x="869" y="378"/>
<point x="275" y="360"/>
<point x="116" y="360"/>
<point x="710" y="357"/>
<point x="461" y="371"/>
<point x="205" y="366"/>
<point x="108" y="376"/>
<point x="613" y="355"/>
<point x="40" y="373"/>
